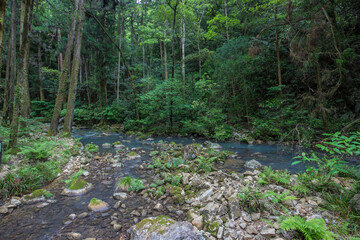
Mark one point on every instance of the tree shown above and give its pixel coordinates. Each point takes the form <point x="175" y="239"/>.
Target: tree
<point x="74" y="72"/>
<point x="60" y="98"/>
<point x="22" y="71"/>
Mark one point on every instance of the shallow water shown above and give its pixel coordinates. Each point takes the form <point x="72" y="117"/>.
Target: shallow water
<point x="30" y="222"/>
<point x="276" y="156"/>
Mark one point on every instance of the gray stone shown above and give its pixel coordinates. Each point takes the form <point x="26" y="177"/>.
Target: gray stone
<point x="251" y="229"/>
<point x="120" y="195"/>
<point x="220" y="233"/>
<point x="253" y="164"/>
<point x="72" y="216"/>
<point x="74" y="236"/>
<point x="41" y="205"/>
<point x="4" y="210"/>
<point x="117" y="227"/>
<point x="268" y="232"/>
<point x="85" y="174"/>
<point x="163" y="228"/>
<point x="106" y="145"/>
<point x="235" y="210"/>
<point x="213" y="145"/>
<point x="98" y="206"/>
<point x="69" y="192"/>
<point x="83" y="215"/>
<point x="255" y="216"/>
<point x="158" y="206"/>
<point x="204" y="195"/>
<point x="198" y="222"/>
<point x="15" y="201"/>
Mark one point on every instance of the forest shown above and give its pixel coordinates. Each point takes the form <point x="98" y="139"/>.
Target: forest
<point x="198" y="81"/>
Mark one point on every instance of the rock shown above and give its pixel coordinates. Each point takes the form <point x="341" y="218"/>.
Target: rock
<point x="204" y="195"/>
<point x="220" y="233"/>
<point x="268" y="232"/>
<point x="120" y="196"/>
<point x="77" y="192"/>
<point x="42" y="205"/>
<point x="119" y="165"/>
<point x="246" y="216"/>
<point x="355" y="201"/>
<point x="97" y="205"/>
<point x="198" y="222"/>
<point x="15" y="201"/>
<point x="4" y="210"/>
<point x="235" y="210"/>
<point x="251" y="229"/>
<point x="117" y="204"/>
<point x="213" y="145"/>
<point x="106" y="145"/>
<point x="158" y="207"/>
<point x="74" y="236"/>
<point x="120" y="146"/>
<point x="117" y="227"/>
<point x="86" y="174"/>
<point x="83" y="215"/>
<point x="133" y="155"/>
<point x="135" y="213"/>
<point x="315" y="216"/>
<point x="163" y="228"/>
<point x="191" y="151"/>
<point x="255" y="216"/>
<point x="72" y="216"/>
<point x="253" y="164"/>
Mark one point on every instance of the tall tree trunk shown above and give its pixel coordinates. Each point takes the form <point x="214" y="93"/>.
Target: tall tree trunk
<point x="60" y="98"/>
<point x="174" y="8"/>
<point x="183" y="38"/>
<point x="25" y="105"/>
<point x="278" y="52"/>
<point x="161" y="54"/>
<point x="87" y="83"/>
<point x="21" y="72"/>
<point x="10" y="66"/>
<point x="143" y="58"/>
<point x="42" y="96"/>
<point x="74" y="73"/>
<point x="165" y="60"/>
<point x="319" y="92"/>
<point x="60" y="53"/>
<point x="2" y="20"/>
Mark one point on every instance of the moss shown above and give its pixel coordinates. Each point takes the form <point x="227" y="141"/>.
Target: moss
<point x="132" y="154"/>
<point x="117" y="143"/>
<point x="95" y="201"/>
<point x="77" y="184"/>
<point x="38" y="194"/>
<point x="156" y="224"/>
<point x="179" y="199"/>
<point x="175" y="191"/>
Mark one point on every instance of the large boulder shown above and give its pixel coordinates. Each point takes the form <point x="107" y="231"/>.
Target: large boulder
<point x="163" y="228"/>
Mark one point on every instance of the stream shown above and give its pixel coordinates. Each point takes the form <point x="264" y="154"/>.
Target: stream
<point x="52" y="221"/>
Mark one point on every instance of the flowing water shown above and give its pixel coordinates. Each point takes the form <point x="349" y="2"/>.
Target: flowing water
<point x="31" y="222"/>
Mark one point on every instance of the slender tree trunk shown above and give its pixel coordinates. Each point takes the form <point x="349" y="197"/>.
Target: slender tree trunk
<point x="161" y="54"/>
<point x="60" y="53"/>
<point x="60" y="98"/>
<point x="2" y="21"/>
<point x="226" y="23"/>
<point x="74" y="73"/>
<point x="278" y="52"/>
<point x="87" y="83"/>
<point x="165" y="61"/>
<point x="183" y="38"/>
<point x="21" y="72"/>
<point x="42" y="96"/>
<point x="10" y="67"/>
<point x="143" y="58"/>
<point x="319" y="92"/>
<point x="25" y="105"/>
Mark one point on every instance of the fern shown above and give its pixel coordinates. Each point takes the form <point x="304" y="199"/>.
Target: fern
<point x="314" y="229"/>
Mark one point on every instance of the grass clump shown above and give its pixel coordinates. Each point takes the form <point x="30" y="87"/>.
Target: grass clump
<point x="91" y="148"/>
<point x="38" y="194"/>
<point x="131" y="184"/>
<point x="95" y="201"/>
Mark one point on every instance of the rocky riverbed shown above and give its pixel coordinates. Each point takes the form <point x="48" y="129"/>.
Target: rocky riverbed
<point x="182" y="198"/>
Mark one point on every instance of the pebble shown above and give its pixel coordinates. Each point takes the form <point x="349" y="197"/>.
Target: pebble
<point x="43" y="205"/>
<point x="83" y="215"/>
<point x="72" y="216"/>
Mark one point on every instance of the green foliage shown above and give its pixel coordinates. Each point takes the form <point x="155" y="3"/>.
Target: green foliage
<point x="159" y="192"/>
<point x="91" y="148"/>
<point x="205" y="164"/>
<point x="313" y="229"/>
<point x="338" y="143"/>
<point x="270" y="176"/>
<point x="38" y="151"/>
<point x="131" y="184"/>
<point x="74" y="177"/>
<point x="42" y="110"/>
<point x="251" y="199"/>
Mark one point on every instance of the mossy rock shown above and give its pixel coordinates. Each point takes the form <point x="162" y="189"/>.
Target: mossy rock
<point x="77" y="184"/>
<point x="156" y="224"/>
<point x="175" y="191"/>
<point x="179" y="199"/>
<point x="117" y="143"/>
<point x="39" y="193"/>
<point x="97" y="205"/>
<point x="95" y="201"/>
<point x="133" y="155"/>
